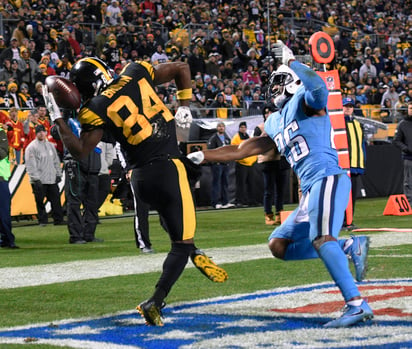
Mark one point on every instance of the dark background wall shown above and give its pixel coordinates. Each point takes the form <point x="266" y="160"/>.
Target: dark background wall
<point x="384" y="171"/>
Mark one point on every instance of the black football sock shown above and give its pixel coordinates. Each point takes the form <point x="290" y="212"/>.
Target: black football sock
<point x="173" y="267"/>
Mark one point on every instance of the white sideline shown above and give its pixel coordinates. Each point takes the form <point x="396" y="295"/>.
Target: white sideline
<point x="13" y="277"/>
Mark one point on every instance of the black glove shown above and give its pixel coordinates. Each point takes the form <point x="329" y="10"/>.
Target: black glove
<point x="58" y="179"/>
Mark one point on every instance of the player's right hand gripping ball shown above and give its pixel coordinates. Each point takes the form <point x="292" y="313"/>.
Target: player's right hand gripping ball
<point x="65" y="93"/>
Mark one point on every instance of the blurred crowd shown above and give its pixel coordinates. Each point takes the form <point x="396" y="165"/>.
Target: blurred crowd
<point x="228" y="45"/>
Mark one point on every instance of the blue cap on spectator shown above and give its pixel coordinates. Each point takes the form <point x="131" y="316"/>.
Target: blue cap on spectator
<point x="348" y="101"/>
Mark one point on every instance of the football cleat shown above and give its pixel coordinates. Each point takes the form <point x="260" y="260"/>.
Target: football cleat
<point x="358" y="252"/>
<point x="352" y="315"/>
<point x="151" y="312"/>
<point x="211" y="270"/>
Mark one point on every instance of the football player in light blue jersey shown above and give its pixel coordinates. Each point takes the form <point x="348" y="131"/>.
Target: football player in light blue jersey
<point x="302" y="131"/>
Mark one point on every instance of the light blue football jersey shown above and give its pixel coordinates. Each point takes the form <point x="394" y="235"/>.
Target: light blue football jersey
<point x="305" y="141"/>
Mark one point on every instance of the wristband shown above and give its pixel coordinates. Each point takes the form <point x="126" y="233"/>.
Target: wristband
<point x="184" y="94"/>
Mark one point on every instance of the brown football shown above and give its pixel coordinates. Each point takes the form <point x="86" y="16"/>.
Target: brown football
<point x="64" y="91"/>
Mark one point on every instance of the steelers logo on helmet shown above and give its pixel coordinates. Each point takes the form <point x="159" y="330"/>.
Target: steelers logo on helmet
<point x="283" y="84"/>
<point x="91" y="75"/>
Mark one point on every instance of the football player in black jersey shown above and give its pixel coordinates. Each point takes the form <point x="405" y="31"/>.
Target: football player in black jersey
<point x="129" y="108"/>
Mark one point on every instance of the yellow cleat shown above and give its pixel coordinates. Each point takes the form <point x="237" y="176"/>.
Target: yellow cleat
<point x="151" y="313"/>
<point x="211" y="270"/>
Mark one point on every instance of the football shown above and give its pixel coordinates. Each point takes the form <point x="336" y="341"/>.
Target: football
<point x="64" y="91"/>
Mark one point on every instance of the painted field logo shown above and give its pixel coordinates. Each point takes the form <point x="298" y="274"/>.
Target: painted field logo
<point x="279" y="318"/>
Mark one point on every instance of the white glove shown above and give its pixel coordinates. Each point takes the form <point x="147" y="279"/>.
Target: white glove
<point x="183" y="117"/>
<point x="51" y="104"/>
<point x="196" y="157"/>
<point x="282" y="51"/>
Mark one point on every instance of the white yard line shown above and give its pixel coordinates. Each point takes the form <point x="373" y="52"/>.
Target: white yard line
<point x="95" y="269"/>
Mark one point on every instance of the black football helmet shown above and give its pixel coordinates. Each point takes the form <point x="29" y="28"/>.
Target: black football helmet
<point x="91" y="75"/>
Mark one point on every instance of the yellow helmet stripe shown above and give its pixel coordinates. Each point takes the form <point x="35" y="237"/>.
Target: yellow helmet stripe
<point x="99" y="66"/>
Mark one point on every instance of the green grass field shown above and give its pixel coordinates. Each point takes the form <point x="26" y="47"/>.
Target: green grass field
<point x="219" y="228"/>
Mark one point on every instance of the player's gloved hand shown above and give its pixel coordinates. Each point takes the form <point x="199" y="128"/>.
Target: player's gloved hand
<point x="282" y="51"/>
<point x="183" y="117"/>
<point x="196" y="157"/>
<point x="51" y="104"/>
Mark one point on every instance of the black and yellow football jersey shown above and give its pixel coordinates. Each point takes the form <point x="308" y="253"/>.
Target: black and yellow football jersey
<point x="131" y="111"/>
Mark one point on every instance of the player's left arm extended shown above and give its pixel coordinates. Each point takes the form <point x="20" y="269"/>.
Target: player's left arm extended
<point x="250" y="147"/>
<point x="316" y="92"/>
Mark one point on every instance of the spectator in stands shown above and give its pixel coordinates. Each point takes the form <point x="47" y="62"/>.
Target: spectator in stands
<point x="401" y="107"/>
<point x="64" y="66"/>
<point x="111" y="53"/>
<point x="43" y="118"/>
<point x="219" y="107"/>
<point x="2" y="44"/>
<point x="143" y="49"/>
<point x="34" y="52"/>
<point x="227" y="46"/>
<point x="67" y="45"/>
<point x="113" y="14"/>
<point x="387" y="113"/>
<point x="43" y="168"/>
<point x="101" y="39"/>
<point x="227" y="70"/>
<point x="403" y="140"/>
<point x="159" y="56"/>
<point x="11" y="52"/>
<point x="38" y="94"/>
<point x="251" y="74"/>
<point x="212" y="68"/>
<point x="378" y="60"/>
<point x="390" y="94"/>
<point x="196" y="62"/>
<point x="361" y="94"/>
<point x="232" y="100"/>
<point x="24" y="97"/>
<point x="12" y="96"/>
<point x="15" y="136"/>
<point x="256" y="105"/>
<point x="29" y="127"/>
<point x="3" y="98"/>
<point x="367" y="70"/>
<point x="375" y="97"/>
<point x="20" y="32"/>
<point x="46" y="60"/>
<point x="6" y="73"/>
<point x="92" y="13"/>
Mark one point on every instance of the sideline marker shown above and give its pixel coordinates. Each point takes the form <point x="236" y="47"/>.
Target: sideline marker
<point x="397" y="205"/>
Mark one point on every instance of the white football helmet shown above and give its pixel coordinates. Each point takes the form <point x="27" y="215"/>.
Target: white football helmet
<point x="283" y="84"/>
